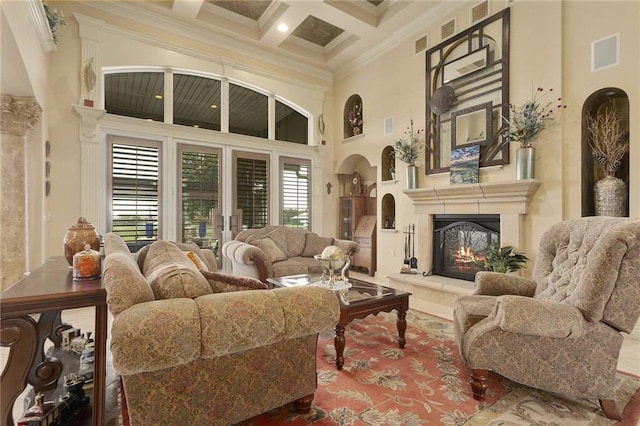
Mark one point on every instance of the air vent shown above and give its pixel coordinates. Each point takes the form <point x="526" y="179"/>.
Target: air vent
<point x="479" y="11"/>
<point x="421" y="44"/>
<point x="605" y="52"/>
<point x="388" y="126"/>
<point x="447" y="29"/>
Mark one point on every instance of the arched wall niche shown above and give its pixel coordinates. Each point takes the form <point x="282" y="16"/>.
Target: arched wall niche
<point x="593" y="106"/>
<point x="388" y="212"/>
<point x="353" y="112"/>
<point x="388" y="162"/>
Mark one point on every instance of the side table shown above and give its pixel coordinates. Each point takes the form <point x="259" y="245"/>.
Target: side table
<point x="47" y="291"/>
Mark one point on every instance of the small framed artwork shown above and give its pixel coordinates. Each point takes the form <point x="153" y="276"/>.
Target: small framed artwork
<point x="47" y="169"/>
<point x="465" y="163"/>
<point x="471" y="126"/>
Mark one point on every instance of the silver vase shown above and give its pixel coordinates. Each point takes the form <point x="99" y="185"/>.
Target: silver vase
<point x="525" y="162"/>
<point x="412" y="177"/>
<point x="610" y="197"/>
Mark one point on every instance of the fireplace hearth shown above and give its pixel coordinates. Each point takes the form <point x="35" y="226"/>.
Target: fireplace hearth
<point x="460" y="241"/>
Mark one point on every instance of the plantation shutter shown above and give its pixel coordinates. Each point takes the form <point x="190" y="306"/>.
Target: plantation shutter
<point x="200" y="190"/>
<point x="252" y="190"/>
<point x="295" y="175"/>
<point x="135" y="192"/>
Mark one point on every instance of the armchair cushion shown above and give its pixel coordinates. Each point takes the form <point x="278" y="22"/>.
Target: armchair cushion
<point x="171" y="274"/>
<point x="526" y="315"/>
<point x="497" y="284"/>
<point x="314" y="244"/>
<point x="222" y="283"/>
<point x="270" y="248"/>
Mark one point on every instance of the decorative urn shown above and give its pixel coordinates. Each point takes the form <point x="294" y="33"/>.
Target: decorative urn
<point x="79" y="235"/>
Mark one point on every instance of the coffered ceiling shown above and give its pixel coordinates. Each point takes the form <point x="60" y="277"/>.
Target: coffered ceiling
<point x="329" y="34"/>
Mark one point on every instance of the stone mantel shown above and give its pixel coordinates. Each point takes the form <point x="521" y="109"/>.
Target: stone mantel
<point x="510" y="197"/>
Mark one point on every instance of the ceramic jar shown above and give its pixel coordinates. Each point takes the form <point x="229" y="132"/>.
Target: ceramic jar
<point x="78" y="236"/>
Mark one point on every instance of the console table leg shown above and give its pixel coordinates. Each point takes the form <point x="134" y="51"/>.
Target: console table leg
<point x="45" y="372"/>
<point x="20" y="334"/>
<point x="99" y="365"/>
<point x="339" y="342"/>
<point x="401" y="323"/>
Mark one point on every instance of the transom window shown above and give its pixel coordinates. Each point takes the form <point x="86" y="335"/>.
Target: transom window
<point x="197" y="101"/>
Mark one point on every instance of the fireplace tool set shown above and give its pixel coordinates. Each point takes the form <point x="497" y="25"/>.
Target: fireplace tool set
<point x="410" y="265"/>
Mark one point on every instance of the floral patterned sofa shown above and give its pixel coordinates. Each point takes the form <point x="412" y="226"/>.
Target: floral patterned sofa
<point x="196" y="347"/>
<point x="276" y="251"/>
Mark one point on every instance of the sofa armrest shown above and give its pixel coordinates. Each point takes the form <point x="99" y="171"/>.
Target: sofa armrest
<point x="348" y="246"/>
<point x="248" y="260"/>
<point x="155" y="335"/>
<point x="498" y="284"/>
<point x="222" y="283"/>
<point x="239" y="321"/>
<point x="525" y="315"/>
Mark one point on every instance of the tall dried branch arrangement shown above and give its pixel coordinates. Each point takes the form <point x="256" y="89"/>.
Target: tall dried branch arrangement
<point x="609" y="143"/>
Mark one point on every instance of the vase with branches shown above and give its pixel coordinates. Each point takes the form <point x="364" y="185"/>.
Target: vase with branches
<point x="609" y="144"/>
<point x="408" y="149"/>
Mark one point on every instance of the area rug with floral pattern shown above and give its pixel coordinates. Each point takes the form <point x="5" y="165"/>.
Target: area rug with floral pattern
<point x="427" y="383"/>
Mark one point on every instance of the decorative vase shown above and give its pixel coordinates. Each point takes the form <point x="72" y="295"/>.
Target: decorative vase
<point x="148" y="228"/>
<point x="610" y="197"/>
<point x="356" y="131"/>
<point x="412" y="177"/>
<point x="202" y="231"/>
<point x="78" y="236"/>
<point x="525" y="162"/>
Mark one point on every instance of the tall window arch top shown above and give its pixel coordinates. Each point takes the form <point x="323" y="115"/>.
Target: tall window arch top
<point x="353" y="116"/>
<point x="198" y="102"/>
<point x="248" y="111"/>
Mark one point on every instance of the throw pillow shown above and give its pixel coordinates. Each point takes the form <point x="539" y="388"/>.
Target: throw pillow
<point x="221" y="282"/>
<point x="270" y="248"/>
<point x="171" y="274"/>
<point x="314" y="244"/>
<point x="194" y="248"/>
<point x="280" y="238"/>
<point x="196" y="261"/>
<point x="124" y="283"/>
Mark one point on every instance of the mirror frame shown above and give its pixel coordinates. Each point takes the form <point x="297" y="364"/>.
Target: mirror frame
<point x="456" y="142"/>
<point x="495" y="151"/>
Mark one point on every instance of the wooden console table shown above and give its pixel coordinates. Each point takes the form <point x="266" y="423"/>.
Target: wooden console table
<point x="47" y="291"/>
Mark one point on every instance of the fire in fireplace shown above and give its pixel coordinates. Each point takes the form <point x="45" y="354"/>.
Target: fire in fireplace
<point x="460" y="241"/>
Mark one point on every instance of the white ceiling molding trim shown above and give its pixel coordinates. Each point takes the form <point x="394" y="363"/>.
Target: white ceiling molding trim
<point x="41" y="24"/>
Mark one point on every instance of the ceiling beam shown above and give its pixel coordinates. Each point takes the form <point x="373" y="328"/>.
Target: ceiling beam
<point x="187" y="9"/>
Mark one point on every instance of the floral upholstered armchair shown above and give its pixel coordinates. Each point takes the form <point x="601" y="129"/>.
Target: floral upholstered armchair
<point x="560" y="331"/>
<point x="198" y="347"/>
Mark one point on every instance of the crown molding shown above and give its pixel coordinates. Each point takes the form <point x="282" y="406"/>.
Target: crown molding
<point x="41" y="24"/>
<point x="157" y="20"/>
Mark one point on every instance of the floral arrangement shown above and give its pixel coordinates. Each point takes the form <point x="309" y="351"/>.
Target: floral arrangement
<point x="55" y="19"/>
<point x="355" y="117"/>
<point x="408" y="149"/>
<point x="528" y="120"/>
<point x="609" y="143"/>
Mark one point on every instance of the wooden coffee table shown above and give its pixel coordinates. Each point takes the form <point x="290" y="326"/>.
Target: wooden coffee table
<point x="361" y="300"/>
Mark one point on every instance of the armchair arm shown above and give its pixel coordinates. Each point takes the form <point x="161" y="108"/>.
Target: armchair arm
<point x="222" y="283"/>
<point x="498" y="284"/>
<point x="525" y="315"/>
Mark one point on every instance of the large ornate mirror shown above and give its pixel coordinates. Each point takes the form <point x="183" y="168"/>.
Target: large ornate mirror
<point x="468" y="94"/>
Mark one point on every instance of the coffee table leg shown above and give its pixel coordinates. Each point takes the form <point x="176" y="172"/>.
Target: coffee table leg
<point x="338" y="343"/>
<point x="401" y="323"/>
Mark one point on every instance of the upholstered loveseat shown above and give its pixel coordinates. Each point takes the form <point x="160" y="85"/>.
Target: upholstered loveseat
<point x="276" y="251"/>
<point x="195" y="347"/>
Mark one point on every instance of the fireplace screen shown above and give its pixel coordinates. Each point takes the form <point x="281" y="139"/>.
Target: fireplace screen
<point x="459" y="245"/>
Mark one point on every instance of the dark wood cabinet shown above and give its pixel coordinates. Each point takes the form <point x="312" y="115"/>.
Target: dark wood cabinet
<point x="351" y="209"/>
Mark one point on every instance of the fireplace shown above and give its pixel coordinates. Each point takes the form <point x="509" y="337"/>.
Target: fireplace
<point x="460" y="241"/>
